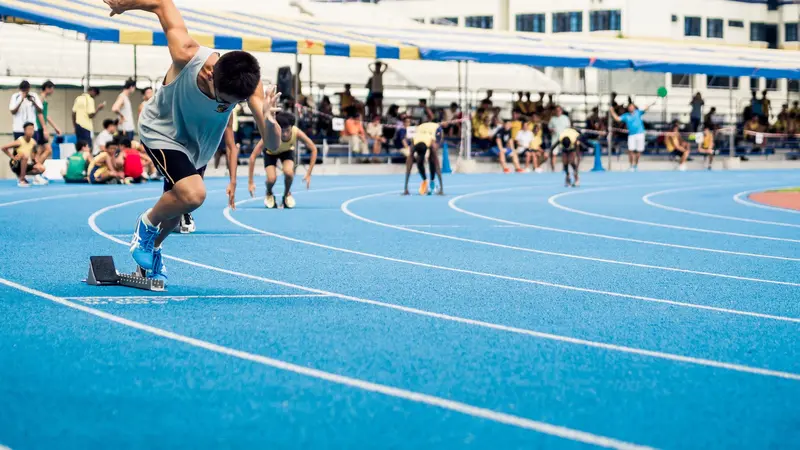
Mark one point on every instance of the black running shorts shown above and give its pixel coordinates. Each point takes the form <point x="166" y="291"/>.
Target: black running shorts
<point x="173" y="166"/>
<point x="272" y="160"/>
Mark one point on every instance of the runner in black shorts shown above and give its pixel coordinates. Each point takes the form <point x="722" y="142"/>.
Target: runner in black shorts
<point x="571" y="141"/>
<point x="286" y="153"/>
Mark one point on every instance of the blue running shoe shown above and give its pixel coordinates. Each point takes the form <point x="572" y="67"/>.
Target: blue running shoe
<point x="143" y="243"/>
<point x="433" y="188"/>
<point x="159" y="271"/>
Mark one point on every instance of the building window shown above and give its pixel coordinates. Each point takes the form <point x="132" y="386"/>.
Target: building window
<point x="714" y="28"/>
<point x="605" y="20"/>
<point x="758" y="32"/>
<point x="791" y="32"/>
<point x="681" y="80"/>
<point x="772" y="84"/>
<point x="485" y="22"/>
<point x="674" y="18"/>
<point x="568" y="22"/>
<point x="532" y="23"/>
<point x="736" y="24"/>
<point x="692" y="26"/>
<point x="715" y="82"/>
<point x="447" y="21"/>
<point x="772" y="5"/>
<point x="794" y="86"/>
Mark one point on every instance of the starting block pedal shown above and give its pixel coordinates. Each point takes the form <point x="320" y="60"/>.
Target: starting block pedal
<point x="103" y="272"/>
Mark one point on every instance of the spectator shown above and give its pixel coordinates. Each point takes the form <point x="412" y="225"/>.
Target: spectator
<point x="21" y="158"/>
<point x="25" y="107"/>
<point x="524" y="140"/>
<point x="103" y="167"/>
<point x="122" y="108"/>
<point x="594" y="121"/>
<point x="147" y="94"/>
<point x="504" y="146"/>
<point x="697" y="111"/>
<point x="375" y="135"/>
<point x="677" y="146"/>
<point x="516" y="124"/>
<point x="375" y="85"/>
<point x="537" y="153"/>
<point x="400" y="136"/>
<point x="452" y="116"/>
<point x="77" y="163"/>
<point x="752" y="127"/>
<point x="795" y="108"/>
<point x="354" y="134"/>
<point x="708" y="120"/>
<point x="422" y="112"/>
<point x="133" y="162"/>
<point x="765" y="108"/>
<point x="539" y="104"/>
<point x="150" y="168"/>
<point x="517" y="106"/>
<point x="557" y="124"/>
<point x="105" y="136"/>
<point x="43" y="137"/>
<point x="83" y="112"/>
<point x="324" y="122"/>
<point x="346" y="99"/>
<point x="487" y="102"/>
<point x="528" y="107"/>
<point x="706" y="148"/>
<point x="483" y="132"/>
<point x="756" y="106"/>
<point x="636" y="136"/>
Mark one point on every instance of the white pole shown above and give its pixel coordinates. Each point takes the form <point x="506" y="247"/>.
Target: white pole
<point x="88" y="65"/>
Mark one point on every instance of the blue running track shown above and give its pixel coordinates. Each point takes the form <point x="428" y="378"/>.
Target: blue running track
<point x="641" y="310"/>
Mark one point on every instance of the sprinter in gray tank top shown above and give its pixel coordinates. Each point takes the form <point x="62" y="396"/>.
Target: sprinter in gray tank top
<point x="183" y="124"/>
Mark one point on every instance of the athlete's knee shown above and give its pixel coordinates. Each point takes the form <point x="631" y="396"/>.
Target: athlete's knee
<point x="192" y="195"/>
<point x="272" y="177"/>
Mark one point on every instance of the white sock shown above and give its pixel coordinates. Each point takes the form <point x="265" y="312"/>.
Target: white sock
<point x="145" y="219"/>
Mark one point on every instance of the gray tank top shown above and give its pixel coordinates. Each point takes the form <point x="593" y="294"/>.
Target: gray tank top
<point x="181" y="117"/>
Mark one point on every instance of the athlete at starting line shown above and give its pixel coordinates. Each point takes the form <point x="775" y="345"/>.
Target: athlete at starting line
<point x="427" y="139"/>
<point x="183" y="124"/>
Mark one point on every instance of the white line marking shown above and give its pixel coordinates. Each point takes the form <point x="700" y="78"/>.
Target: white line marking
<point x="181" y="236"/>
<point x="452" y="204"/>
<point x="624" y="239"/>
<point x="346" y="210"/>
<point x="433" y="226"/>
<point x="185" y="297"/>
<point x="82" y="194"/>
<point x="739" y="198"/>
<point x="416" y="397"/>
<point x="647" y="198"/>
<point x="552" y="201"/>
<point x="537" y="334"/>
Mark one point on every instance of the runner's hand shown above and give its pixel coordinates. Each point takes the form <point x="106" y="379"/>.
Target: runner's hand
<point x="307" y="180"/>
<point x="231" y="191"/>
<point x="271" y="102"/>
<point x="252" y="188"/>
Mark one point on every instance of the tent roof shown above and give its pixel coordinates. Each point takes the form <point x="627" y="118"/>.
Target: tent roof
<point x="224" y="30"/>
<point x="228" y="30"/>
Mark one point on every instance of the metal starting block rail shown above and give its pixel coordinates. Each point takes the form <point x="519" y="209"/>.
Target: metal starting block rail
<point x="103" y="272"/>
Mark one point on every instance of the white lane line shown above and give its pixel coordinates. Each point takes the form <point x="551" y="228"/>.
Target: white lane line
<point x="647" y="198"/>
<point x="741" y="198"/>
<point x="452" y="204"/>
<point x="182" y="236"/>
<point x="187" y="297"/>
<point x="82" y="194"/>
<point x="346" y="210"/>
<point x="416" y="397"/>
<point x="553" y="202"/>
<point x="624" y="239"/>
<point x="537" y="334"/>
<point x="433" y="226"/>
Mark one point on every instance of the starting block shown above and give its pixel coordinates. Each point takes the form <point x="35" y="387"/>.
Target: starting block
<point x="103" y="272"/>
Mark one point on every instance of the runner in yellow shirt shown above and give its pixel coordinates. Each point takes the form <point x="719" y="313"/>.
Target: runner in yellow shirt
<point x="426" y="140"/>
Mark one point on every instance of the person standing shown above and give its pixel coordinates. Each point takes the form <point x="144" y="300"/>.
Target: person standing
<point x="25" y="108"/>
<point x="376" y="88"/>
<point x="42" y="136"/>
<point x="147" y="94"/>
<point x="122" y="108"/>
<point x="636" y="136"/>
<point x="557" y="124"/>
<point x="83" y="112"/>
<point x="697" y="111"/>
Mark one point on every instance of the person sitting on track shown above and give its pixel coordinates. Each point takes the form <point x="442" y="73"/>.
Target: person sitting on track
<point x="524" y="141"/>
<point x="504" y="146"/>
<point x="677" y="146"/>
<point x="133" y="162"/>
<point x="22" y="162"/>
<point x="77" y="164"/>
<point x="427" y="139"/>
<point x="286" y="153"/>
<point x="706" y="148"/>
<point x="570" y="141"/>
<point x="103" y="167"/>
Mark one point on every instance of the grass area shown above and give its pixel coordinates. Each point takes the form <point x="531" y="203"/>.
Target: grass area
<point x="793" y="189"/>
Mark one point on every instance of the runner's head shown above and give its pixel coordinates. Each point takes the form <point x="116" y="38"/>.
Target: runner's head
<point x="286" y="122"/>
<point x="566" y="143"/>
<point x="236" y="76"/>
<point x="112" y="147"/>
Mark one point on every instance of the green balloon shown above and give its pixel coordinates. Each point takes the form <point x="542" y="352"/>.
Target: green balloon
<point x="662" y="92"/>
